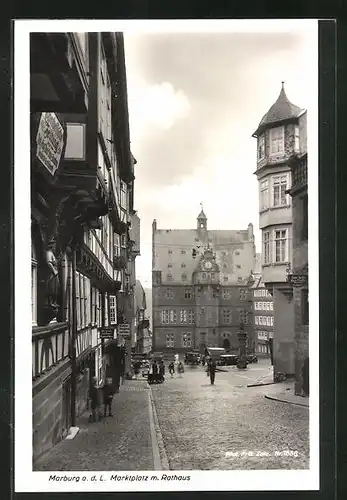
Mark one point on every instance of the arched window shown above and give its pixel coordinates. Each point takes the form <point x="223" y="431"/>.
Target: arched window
<point x="33" y="285"/>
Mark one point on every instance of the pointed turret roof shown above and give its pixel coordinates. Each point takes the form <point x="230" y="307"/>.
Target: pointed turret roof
<point x="280" y="111"/>
<point x="202" y="215"/>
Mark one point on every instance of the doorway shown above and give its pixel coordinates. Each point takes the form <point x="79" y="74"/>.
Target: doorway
<point x="226" y="344"/>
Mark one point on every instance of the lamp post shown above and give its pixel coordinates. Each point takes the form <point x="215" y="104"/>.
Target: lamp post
<point x="242" y="362"/>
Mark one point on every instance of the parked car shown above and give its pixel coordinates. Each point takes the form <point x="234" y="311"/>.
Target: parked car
<point x="228" y="359"/>
<point x="251" y="358"/>
<point x="192" y="358"/>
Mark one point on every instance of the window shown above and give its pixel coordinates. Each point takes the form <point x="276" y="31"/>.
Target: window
<point x="169" y="252"/>
<point x="113" y="311"/>
<point x="297" y="139"/>
<point x="183" y="316"/>
<point x="226" y="316"/>
<point x="165" y="316"/>
<point x="271" y="321"/>
<point x="173" y="316"/>
<point x="183" y="252"/>
<point x="304" y="215"/>
<point x="226" y="294"/>
<point x="266" y="247"/>
<point x="183" y="264"/>
<point x="279" y="187"/>
<point x="33" y="286"/>
<point x="203" y="276"/>
<point x="304" y="307"/>
<point x="190" y="317"/>
<point x="276" y="140"/>
<point x="271" y="306"/>
<point x="94" y="304"/>
<point x="268" y="321"/>
<point x="256" y="320"/>
<point x="225" y="278"/>
<point x="238" y="266"/>
<point x="169" y="264"/>
<point x="169" y="277"/>
<point x="184" y="277"/>
<point x="123" y="194"/>
<point x="260" y="320"/>
<point x="170" y="340"/>
<point x="243" y="294"/>
<point x="169" y="293"/>
<point x="261" y="147"/>
<point x="281" y="245"/>
<point x="187" y="293"/>
<point x="78" y="310"/>
<point x="186" y="339"/>
<point x="99" y="311"/>
<point x="82" y="300"/>
<point x="243" y="317"/>
<point x="264" y="194"/>
<point x="239" y="279"/>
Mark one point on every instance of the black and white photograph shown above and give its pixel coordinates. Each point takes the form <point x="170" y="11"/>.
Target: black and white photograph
<point x="166" y="218"/>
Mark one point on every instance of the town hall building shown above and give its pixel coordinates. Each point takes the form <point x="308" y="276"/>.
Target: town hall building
<point x="201" y="282"/>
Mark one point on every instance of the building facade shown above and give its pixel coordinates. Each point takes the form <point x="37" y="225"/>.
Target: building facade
<point x="82" y="182"/>
<point x="201" y="282"/>
<point x="298" y="275"/>
<point x="279" y="136"/>
<point x="263" y="312"/>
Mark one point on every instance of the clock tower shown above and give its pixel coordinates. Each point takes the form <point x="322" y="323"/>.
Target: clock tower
<point x="207" y="290"/>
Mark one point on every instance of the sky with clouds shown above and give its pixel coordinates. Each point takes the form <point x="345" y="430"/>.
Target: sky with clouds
<point x="194" y="101"/>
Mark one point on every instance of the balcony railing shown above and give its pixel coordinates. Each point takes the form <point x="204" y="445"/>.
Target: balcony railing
<point x="50" y="346"/>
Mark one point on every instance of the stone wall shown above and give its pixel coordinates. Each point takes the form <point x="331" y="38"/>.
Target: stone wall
<point x="49" y="422"/>
<point x="284" y="341"/>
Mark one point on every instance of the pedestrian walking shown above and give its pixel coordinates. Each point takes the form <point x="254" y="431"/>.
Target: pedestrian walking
<point x="155" y="371"/>
<point x="180" y="368"/>
<point x="212" y="366"/>
<point x="108" y="392"/>
<point x="172" y="369"/>
<point x="137" y="367"/>
<point x="94" y="399"/>
<point x="161" y="371"/>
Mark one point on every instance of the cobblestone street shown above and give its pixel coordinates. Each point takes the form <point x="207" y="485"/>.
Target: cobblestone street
<point x="215" y="427"/>
<point x="193" y="426"/>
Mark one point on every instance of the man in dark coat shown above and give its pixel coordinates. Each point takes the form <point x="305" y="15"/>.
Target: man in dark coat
<point x="161" y="371"/>
<point x="107" y="392"/>
<point x="155" y="371"/>
<point x="212" y="370"/>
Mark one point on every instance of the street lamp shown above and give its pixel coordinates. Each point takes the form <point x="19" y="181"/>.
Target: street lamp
<point x="242" y="362"/>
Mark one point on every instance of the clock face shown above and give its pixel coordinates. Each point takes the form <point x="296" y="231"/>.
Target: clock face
<point x="207" y="265"/>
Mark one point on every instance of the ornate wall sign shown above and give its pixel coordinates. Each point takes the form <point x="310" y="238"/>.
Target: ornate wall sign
<point x="49" y="141"/>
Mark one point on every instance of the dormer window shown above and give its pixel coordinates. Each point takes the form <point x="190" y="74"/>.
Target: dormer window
<point x="277" y="140"/>
<point x="261" y="147"/>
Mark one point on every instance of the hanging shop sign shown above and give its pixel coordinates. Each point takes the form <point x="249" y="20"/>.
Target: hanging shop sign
<point x="124" y="330"/>
<point x="298" y="280"/>
<point x="107" y="332"/>
<point x="50" y="140"/>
